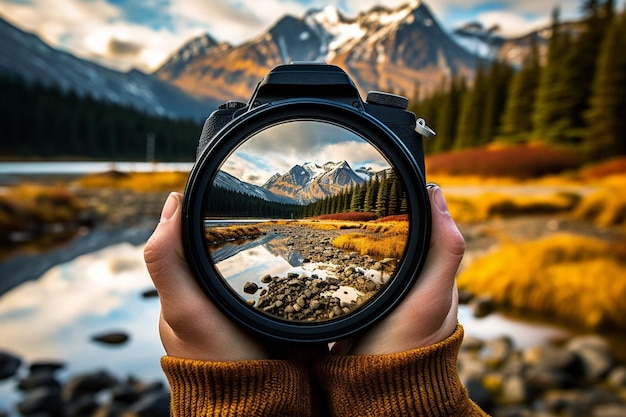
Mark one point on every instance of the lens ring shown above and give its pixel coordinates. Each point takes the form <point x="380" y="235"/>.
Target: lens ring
<point x="365" y="126"/>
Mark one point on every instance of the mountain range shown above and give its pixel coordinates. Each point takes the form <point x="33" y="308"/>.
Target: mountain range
<point x="382" y="49"/>
<point x="387" y="49"/>
<point x="302" y="184"/>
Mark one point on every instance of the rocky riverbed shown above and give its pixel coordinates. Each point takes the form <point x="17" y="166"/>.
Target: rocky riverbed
<point x="97" y="393"/>
<point x="329" y="283"/>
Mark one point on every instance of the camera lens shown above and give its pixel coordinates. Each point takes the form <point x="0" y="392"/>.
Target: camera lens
<point x="306" y="220"/>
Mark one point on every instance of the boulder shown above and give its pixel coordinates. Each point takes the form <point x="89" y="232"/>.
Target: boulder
<point x="595" y="353"/>
<point x="44" y="400"/>
<point x="9" y="364"/>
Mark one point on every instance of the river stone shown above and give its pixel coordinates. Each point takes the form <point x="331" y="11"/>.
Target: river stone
<point x="609" y="410"/>
<point x="45" y="366"/>
<point x="151" y="293"/>
<point x="38" y="380"/>
<point x="9" y="364"/>
<point x="266" y="279"/>
<point x="514" y="390"/>
<point x="617" y="377"/>
<point x="111" y="338"/>
<point x="497" y="351"/>
<point x="44" y="400"/>
<point x="595" y="353"/>
<point x="482" y="306"/>
<point x="479" y="394"/>
<point x="250" y="287"/>
<point x="155" y="404"/>
<point x="88" y="384"/>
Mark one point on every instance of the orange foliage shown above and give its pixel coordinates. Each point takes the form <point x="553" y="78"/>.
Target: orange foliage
<point x="615" y="166"/>
<point x="519" y="162"/>
<point x="352" y="216"/>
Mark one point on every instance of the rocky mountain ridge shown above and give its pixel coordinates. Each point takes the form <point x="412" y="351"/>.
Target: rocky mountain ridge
<point x="302" y="184"/>
<point x="382" y="49"/>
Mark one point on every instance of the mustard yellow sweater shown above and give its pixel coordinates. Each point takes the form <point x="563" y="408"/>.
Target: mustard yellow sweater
<point x="421" y="382"/>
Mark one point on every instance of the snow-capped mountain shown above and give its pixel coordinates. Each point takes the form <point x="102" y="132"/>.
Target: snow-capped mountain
<point x="309" y="182"/>
<point x="25" y="56"/>
<point x="382" y="49"/>
<point x="487" y="43"/>
<point x="230" y="182"/>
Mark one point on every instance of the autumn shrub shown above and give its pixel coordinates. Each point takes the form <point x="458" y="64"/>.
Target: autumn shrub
<point x="351" y="216"/>
<point x="518" y="162"/>
<point x="607" y="206"/>
<point x="394" y="218"/>
<point x="135" y="181"/>
<point x="570" y="278"/>
<point x="219" y="235"/>
<point x="610" y="167"/>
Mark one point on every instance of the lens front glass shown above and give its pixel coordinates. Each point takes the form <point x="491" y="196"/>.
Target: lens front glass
<point x="306" y="221"/>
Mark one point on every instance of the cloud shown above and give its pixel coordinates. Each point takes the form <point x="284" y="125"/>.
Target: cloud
<point x="130" y="34"/>
<point x="278" y="149"/>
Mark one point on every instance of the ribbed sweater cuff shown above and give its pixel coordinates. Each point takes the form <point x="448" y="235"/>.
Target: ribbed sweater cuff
<point x="254" y="388"/>
<point x="421" y="382"/>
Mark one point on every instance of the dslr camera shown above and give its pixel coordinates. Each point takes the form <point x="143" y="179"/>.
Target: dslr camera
<point x="306" y="216"/>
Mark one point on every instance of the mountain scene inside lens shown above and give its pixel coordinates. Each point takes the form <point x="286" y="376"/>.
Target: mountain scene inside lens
<point x="306" y="221"/>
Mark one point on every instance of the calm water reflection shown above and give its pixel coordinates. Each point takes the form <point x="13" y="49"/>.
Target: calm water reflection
<point x="271" y="255"/>
<point x="54" y="317"/>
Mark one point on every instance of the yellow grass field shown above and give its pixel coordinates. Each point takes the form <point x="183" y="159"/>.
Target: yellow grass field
<point x="574" y="279"/>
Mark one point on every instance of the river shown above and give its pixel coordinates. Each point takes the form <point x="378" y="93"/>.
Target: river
<point x="54" y="317"/>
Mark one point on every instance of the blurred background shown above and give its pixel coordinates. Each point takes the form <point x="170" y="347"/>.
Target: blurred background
<point x="102" y="103"/>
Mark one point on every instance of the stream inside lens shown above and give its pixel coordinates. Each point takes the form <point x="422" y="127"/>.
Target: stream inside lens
<point x="306" y="221"/>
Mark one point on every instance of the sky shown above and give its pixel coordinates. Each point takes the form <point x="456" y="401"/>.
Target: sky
<point x="126" y="34"/>
<point x="279" y="148"/>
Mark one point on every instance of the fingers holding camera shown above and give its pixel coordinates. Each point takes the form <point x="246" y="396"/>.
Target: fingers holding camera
<point x="191" y="326"/>
<point x="428" y="314"/>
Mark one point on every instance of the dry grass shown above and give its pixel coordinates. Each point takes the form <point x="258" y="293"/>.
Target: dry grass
<point x="377" y="247"/>
<point x="492" y="205"/>
<point x="579" y="280"/>
<point x="135" y="181"/>
<point x="383" y="240"/>
<point x="29" y="206"/>
<point x="220" y="235"/>
<point x="607" y="206"/>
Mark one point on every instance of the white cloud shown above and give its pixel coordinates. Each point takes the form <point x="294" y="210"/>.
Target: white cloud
<point x="99" y="31"/>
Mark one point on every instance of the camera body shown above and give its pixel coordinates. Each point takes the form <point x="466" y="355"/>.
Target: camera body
<point x="309" y="116"/>
<point x="325" y="82"/>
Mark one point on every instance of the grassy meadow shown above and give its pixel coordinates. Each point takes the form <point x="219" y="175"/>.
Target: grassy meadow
<point x="574" y="277"/>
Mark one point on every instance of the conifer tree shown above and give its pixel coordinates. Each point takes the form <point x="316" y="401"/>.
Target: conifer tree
<point x="517" y="118"/>
<point x="496" y="89"/>
<point x="606" y="133"/>
<point x="547" y="115"/>
<point x="471" y="113"/>
<point x="446" y="121"/>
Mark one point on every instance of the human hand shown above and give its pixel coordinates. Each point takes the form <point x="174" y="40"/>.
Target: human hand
<point x="428" y="314"/>
<point x="191" y="327"/>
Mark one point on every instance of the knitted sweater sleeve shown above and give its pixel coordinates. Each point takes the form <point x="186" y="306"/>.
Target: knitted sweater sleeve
<point x="249" y="388"/>
<point x="421" y="382"/>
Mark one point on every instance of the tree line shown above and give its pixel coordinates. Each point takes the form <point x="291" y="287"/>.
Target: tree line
<point x="574" y="96"/>
<point x="44" y="122"/>
<point x="383" y="195"/>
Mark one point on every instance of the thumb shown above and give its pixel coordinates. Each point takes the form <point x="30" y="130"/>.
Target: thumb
<point x="164" y="255"/>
